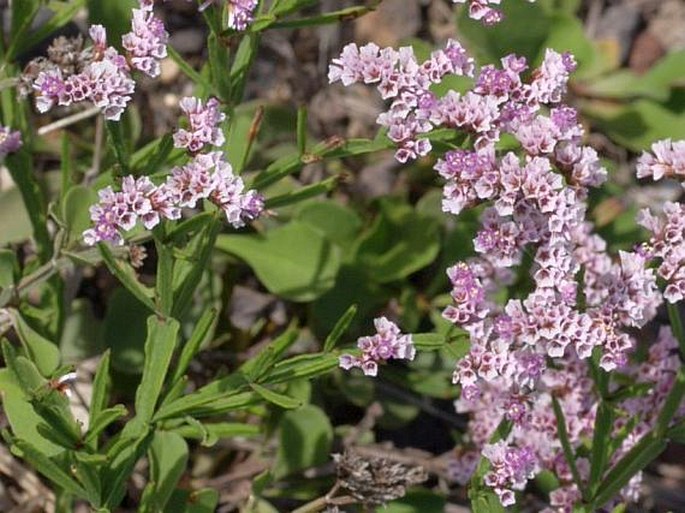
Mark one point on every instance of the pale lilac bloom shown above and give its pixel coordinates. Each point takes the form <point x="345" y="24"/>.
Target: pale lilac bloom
<point x="50" y="89"/>
<point x="667" y="245"/>
<point x="667" y="159"/>
<point x="146" y="43"/>
<point x="482" y="10"/>
<point x="205" y="120"/>
<point x="10" y="141"/>
<point x="388" y="343"/>
<point x="510" y="469"/>
<point x="241" y="13"/>
<point x="206" y="177"/>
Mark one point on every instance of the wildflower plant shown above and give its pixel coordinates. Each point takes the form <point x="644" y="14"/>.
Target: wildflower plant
<point x="499" y="289"/>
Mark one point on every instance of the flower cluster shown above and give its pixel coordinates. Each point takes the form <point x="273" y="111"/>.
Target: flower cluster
<point x="10" y="141"/>
<point x="240" y="12"/>
<point x="146" y="43"/>
<point x="398" y="75"/>
<point x="666" y="160"/>
<point x="483" y="11"/>
<point x="510" y="469"/>
<point x="388" y="343"/>
<point x="533" y="442"/>
<point x="208" y="176"/>
<point x="99" y="74"/>
<point x="581" y="299"/>
<point x="204" y="122"/>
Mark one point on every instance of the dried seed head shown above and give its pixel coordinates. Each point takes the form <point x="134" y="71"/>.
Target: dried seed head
<point x="376" y="480"/>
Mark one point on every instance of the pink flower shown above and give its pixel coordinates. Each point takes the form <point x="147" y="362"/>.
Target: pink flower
<point x="10" y="141"/>
<point x="388" y="343"/>
<point x="205" y="121"/>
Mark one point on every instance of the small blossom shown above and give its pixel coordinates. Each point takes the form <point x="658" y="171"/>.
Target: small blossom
<point x="388" y="343"/>
<point x="146" y="43"/>
<point x="10" y="141"/>
<point x="205" y="123"/>
<point x="667" y="159"/>
<point x="207" y="177"/>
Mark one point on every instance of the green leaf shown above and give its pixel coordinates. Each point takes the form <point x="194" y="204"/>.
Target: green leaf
<point x="188" y="70"/>
<point x="567" y="34"/>
<point x="338" y="223"/>
<point x="192" y="347"/>
<point x="672" y="403"/>
<point x="22" y="417"/>
<point x="127" y="277"/>
<point x="281" y="400"/>
<point x="102" y="420"/>
<point x="523" y="31"/>
<point x="282" y="8"/>
<point x="200" y="501"/>
<point x="116" y="16"/>
<point x="76" y="210"/>
<point x="117" y="140"/>
<point x="305" y="366"/>
<point x="399" y="243"/>
<point x="102" y="383"/>
<point x="200" y="405"/>
<point x="428" y="341"/>
<point x="168" y="457"/>
<point x="124" y="331"/>
<point x="216" y="431"/>
<point x="81" y="337"/>
<point x="62" y="14"/>
<point x="218" y="63"/>
<point x="9" y="268"/>
<point x="123" y="456"/>
<point x="187" y="276"/>
<point x="12" y="206"/>
<point x="638" y="124"/>
<point x="23" y="14"/>
<point x="419" y="501"/>
<point x="339" y="329"/>
<point x="656" y="84"/>
<point x="294" y="261"/>
<point x="20" y="166"/>
<point x="159" y="348"/>
<point x="303" y="193"/>
<point x="569" y="454"/>
<point x="257" y="366"/>
<point x="38" y="349"/>
<point x="305" y="439"/>
<point x="241" y="67"/>
<point x="600" y="446"/>
<point x="644" y="452"/>
<point x="48" y="468"/>
<point x="164" y="283"/>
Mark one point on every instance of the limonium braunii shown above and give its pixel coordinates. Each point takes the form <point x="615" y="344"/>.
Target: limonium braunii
<point x="583" y="300"/>
<point x="388" y="343"/>
<point x="667" y="243"/>
<point x="99" y="74"/>
<point x="10" y="141"/>
<point x="208" y="176"/>
<point x="204" y="119"/>
<point x="240" y="12"/>
<point x="483" y="11"/>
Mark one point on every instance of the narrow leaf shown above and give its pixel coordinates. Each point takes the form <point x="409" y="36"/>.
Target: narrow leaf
<point x="281" y="400"/>
<point x="38" y="349"/>
<point x="159" y="348"/>
<point x="339" y="329"/>
<point x="49" y="468"/>
<point x="565" y="443"/>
